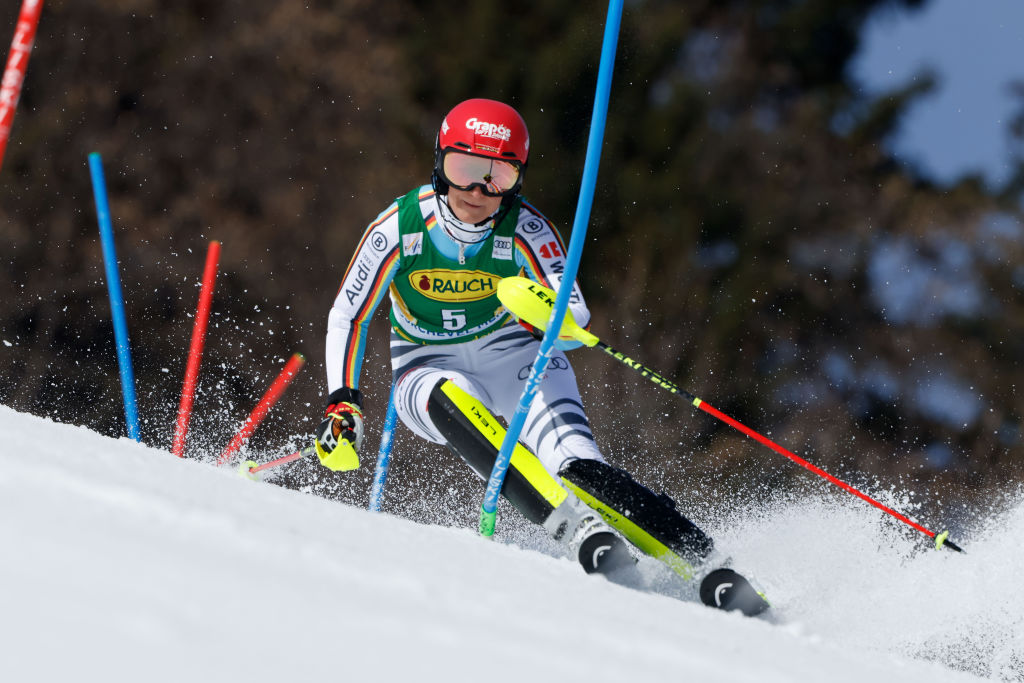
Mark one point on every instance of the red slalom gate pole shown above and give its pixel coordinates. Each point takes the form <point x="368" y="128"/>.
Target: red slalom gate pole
<point x="275" y="391"/>
<point x="195" y="351"/>
<point x="17" y="64"/>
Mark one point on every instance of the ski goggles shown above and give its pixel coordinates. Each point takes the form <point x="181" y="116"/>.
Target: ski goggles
<point x="466" y="171"/>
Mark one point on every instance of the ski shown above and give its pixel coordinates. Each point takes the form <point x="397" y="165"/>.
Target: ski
<point x="718" y="585"/>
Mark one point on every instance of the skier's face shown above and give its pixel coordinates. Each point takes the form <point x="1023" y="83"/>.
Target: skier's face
<point x="472" y="206"/>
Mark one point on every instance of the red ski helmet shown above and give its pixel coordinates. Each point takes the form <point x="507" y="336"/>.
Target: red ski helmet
<point x="482" y="128"/>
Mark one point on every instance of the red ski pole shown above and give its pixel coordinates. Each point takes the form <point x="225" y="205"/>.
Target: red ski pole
<point x="17" y="63"/>
<point x="250" y="467"/>
<point x="275" y="391"/>
<point x="533" y="303"/>
<point x="195" y="352"/>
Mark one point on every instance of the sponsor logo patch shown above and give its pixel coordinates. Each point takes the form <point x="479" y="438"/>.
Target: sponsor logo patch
<point x="502" y="248"/>
<point x="412" y="244"/>
<point x="555" y="363"/>
<point x="359" y="278"/>
<point x="531" y="226"/>
<point x="454" y="285"/>
<point x="379" y="241"/>
<point x="498" y="131"/>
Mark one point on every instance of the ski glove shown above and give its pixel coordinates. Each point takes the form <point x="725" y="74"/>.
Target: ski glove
<point x="340" y="435"/>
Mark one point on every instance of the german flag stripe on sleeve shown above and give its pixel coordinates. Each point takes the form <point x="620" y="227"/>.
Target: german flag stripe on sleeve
<point x="380" y="219"/>
<point x="356" y="343"/>
<point x="532" y="263"/>
<point x="558" y="235"/>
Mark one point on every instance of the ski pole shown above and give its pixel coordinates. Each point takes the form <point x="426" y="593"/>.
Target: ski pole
<point x="532" y="302"/>
<point x="249" y="467"/>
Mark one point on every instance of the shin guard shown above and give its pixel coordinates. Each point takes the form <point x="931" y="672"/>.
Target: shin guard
<point x="475" y="436"/>
<point x="647" y="520"/>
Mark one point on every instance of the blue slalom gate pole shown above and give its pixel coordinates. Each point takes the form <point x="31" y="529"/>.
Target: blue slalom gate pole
<point x="380" y="474"/>
<point x="488" y="511"/>
<point x="124" y="355"/>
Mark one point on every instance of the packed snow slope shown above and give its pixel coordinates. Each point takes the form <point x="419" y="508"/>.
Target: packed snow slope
<point x="123" y="563"/>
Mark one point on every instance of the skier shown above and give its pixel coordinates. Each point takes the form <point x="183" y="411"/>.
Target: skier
<point x="458" y="356"/>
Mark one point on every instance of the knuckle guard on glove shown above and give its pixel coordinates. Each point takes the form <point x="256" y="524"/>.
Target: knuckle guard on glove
<point x="346" y="422"/>
<point x="343" y="422"/>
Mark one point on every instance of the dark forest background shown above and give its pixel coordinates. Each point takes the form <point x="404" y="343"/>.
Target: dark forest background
<point x="751" y="236"/>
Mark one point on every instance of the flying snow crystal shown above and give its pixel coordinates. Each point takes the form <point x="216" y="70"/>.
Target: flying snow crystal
<point x="175" y="553"/>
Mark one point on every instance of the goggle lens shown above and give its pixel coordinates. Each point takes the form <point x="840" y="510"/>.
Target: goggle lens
<point x="493" y="176"/>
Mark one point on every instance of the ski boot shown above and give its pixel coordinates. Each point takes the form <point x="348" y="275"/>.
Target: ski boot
<point x="592" y="509"/>
<point x="652" y="523"/>
<point x="726" y="589"/>
<point x="475" y="436"/>
<point x="589" y="540"/>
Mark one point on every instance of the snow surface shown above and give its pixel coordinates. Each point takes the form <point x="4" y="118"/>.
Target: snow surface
<point x="120" y="562"/>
